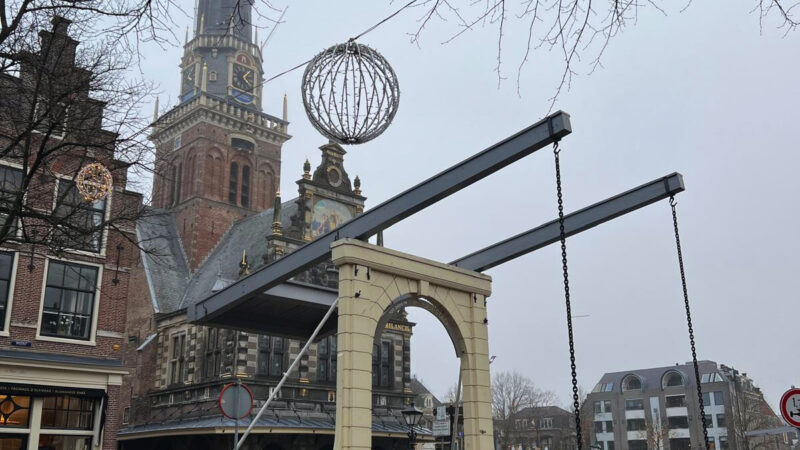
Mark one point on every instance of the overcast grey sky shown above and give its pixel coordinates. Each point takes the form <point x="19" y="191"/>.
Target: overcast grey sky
<point x="702" y="92"/>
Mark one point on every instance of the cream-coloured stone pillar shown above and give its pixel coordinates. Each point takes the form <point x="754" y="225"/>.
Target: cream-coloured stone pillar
<point x="371" y="280"/>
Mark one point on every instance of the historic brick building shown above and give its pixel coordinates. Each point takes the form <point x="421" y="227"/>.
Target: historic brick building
<point x="218" y="216"/>
<point x="64" y="272"/>
<point x="539" y="427"/>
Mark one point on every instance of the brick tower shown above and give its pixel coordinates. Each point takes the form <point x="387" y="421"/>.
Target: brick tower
<point x="217" y="153"/>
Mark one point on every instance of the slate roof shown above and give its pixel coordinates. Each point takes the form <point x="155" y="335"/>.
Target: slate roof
<point x="651" y="377"/>
<point x="164" y="259"/>
<point x="419" y="389"/>
<point x="293" y="420"/>
<point x="172" y="286"/>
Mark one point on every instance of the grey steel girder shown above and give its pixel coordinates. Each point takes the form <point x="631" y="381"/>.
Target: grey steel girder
<point x="451" y="180"/>
<point x="574" y="223"/>
<point x="311" y="301"/>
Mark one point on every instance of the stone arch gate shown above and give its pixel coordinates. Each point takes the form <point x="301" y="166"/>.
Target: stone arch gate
<point x="373" y="281"/>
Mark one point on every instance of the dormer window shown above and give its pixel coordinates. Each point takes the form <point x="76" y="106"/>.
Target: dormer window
<point x="672" y="378"/>
<point x="631" y="383"/>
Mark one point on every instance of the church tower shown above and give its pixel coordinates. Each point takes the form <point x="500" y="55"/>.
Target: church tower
<point x="217" y="153"/>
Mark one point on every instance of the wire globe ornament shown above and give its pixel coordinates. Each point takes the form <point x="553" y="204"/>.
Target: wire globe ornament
<point x="94" y="182"/>
<point x="350" y="93"/>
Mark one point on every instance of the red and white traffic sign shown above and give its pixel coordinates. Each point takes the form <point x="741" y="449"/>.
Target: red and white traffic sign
<point x="790" y="407"/>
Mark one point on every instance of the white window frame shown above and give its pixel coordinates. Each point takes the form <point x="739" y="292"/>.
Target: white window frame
<point x="104" y="237"/>
<point x="182" y="365"/>
<point x="35" y="430"/>
<point x="13" y="165"/>
<point x="95" y="311"/>
<point x="53" y="135"/>
<point x="5" y="332"/>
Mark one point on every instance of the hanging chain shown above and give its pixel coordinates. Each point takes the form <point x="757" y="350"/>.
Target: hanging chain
<point x="576" y="404"/>
<point x="672" y="204"/>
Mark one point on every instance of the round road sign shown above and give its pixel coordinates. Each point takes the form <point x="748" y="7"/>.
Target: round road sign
<point x="790" y="407"/>
<point x="236" y="401"/>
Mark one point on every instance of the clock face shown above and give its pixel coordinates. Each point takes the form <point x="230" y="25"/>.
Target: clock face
<point x="188" y="78"/>
<point x="244" y="78"/>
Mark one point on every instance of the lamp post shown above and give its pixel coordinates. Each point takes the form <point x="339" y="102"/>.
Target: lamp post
<point x="411" y="415"/>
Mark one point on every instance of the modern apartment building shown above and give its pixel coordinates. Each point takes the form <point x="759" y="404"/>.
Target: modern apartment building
<point x="657" y="408"/>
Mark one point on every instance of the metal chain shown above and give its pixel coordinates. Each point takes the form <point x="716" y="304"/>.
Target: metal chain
<point x="563" y="236"/>
<point x="672" y="204"/>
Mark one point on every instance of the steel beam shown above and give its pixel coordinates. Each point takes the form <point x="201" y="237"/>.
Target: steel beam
<point x="463" y="174"/>
<point x="574" y="223"/>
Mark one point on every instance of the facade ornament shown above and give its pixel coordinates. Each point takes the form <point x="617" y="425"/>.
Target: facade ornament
<point x="244" y="266"/>
<point x="357" y="186"/>
<point x="277" y="227"/>
<point x="307" y="170"/>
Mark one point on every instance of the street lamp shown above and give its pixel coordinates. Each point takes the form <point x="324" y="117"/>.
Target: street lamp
<point x="411" y="415"/>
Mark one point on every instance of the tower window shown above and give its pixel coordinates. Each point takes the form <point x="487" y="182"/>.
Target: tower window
<point x="242" y="144"/>
<point x="234" y="183"/>
<point x="212" y="76"/>
<point x="246" y="186"/>
<point x="178" y="181"/>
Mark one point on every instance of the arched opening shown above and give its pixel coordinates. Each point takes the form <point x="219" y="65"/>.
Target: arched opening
<point x="631" y="383"/>
<point x="672" y="378"/>
<point x="435" y="337"/>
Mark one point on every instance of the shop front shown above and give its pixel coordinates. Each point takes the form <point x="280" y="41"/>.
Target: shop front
<point x="56" y="405"/>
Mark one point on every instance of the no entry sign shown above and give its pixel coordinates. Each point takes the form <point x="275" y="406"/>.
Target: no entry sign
<point x="790" y="407"/>
<point x="236" y="401"/>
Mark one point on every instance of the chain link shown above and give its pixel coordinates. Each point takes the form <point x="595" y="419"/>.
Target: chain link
<point x="672" y="204"/>
<point x="563" y="236"/>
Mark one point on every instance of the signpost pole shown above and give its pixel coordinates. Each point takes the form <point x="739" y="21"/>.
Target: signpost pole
<point x="454" y="434"/>
<point x="236" y="423"/>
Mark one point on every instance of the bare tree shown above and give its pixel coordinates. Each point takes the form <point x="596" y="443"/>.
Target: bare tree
<point x="63" y="106"/>
<point x="511" y="393"/>
<point x="656" y="434"/>
<point x="579" y="30"/>
<point x="750" y="413"/>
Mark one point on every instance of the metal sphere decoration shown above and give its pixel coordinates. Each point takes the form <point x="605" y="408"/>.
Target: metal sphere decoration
<point x="350" y="93"/>
<point x="94" y="182"/>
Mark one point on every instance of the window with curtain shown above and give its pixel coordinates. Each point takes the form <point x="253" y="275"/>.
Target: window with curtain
<point x="69" y="299"/>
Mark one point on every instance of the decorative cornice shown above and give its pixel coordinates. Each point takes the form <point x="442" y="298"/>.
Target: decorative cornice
<point x="204" y="107"/>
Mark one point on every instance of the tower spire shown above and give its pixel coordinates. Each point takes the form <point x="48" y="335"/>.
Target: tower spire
<point x="226" y="17"/>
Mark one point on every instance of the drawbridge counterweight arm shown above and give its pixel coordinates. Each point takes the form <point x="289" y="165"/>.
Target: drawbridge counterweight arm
<point x="537" y="136"/>
<point x="574" y="223"/>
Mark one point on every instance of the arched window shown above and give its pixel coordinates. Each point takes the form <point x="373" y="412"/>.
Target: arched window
<point x="178" y="184"/>
<point x="631" y="383"/>
<point x="672" y="378"/>
<point x="172" y="178"/>
<point x="246" y="186"/>
<point x="234" y="183"/>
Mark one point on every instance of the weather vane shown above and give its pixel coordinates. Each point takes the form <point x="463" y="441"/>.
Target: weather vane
<point x="350" y="93"/>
